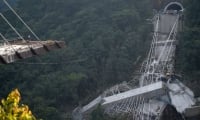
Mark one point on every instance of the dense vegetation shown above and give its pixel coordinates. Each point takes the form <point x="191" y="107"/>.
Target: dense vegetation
<point x="104" y="38"/>
<point x="188" y="59"/>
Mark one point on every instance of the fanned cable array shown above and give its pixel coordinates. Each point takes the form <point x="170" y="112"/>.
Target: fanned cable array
<point x="159" y="95"/>
<point x="21" y="48"/>
<point x="160" y="61"/>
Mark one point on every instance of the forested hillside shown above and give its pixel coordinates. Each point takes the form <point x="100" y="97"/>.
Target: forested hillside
<point x="104" y="40"/>
<point x="188" y="60"/>
<point x="3" y="6"/>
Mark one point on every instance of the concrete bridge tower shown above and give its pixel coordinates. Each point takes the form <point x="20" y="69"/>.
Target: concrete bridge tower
<point x="170" y="4"/>
<point x="160" y="94"/>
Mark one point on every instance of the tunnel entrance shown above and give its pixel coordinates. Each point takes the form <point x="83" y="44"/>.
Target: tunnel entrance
<point x="174" y="6"/>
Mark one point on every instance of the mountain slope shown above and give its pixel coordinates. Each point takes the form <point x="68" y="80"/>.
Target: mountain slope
<point x="103" y="38"/>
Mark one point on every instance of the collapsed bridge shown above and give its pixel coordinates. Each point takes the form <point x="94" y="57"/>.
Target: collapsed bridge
<point x="19" y="48"/>
<point x="160" y="95"/>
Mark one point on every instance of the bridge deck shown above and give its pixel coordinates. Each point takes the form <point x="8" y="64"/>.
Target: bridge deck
<point x="148" y="92"/>
<point x="16" y="50"/>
